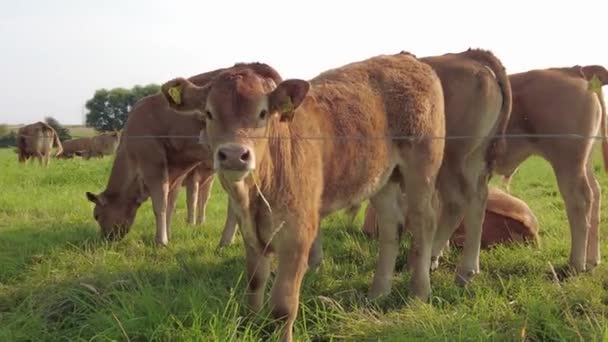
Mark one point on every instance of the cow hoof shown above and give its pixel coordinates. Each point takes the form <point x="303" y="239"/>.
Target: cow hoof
<point x="463" y="278"/>
<point x="161" y="243"/>
<point x="378" y="291"/>
<point x="434" y="263"/>
<point x="592" y="264"/>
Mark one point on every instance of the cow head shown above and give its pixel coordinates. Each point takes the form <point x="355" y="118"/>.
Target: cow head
<point x="239" y="108"/>
<point x="114" y="215"/>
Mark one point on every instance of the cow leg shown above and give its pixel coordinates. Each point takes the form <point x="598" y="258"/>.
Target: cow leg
<point x="229" y="227"/>
<point x="473" y="224"/>
<point x="192" y="190"/>
<point x="390" y="220"/>
<point x="258" y="270"/>
<point x="171" y="201"/>
<point x="315" y="257"/>
<point x="421" y="214"/>
<point x="576" y="191"/>
<point x="204" y="194"/>
<point x="293" y="251"/>
<point x="593" y="242"/>
<point x="452" y="188"/>
<point x="158" y="186"/>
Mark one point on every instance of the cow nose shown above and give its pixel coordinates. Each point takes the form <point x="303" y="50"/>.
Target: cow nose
<point x="234" y="157"/>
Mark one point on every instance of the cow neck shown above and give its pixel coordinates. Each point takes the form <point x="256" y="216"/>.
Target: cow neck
<point x="123" y="181"/>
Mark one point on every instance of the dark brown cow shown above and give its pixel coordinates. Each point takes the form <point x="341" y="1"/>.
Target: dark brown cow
<point x="283" y="175"/>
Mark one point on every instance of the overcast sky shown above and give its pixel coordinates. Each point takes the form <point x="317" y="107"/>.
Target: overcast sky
<point x="55" y="54"/>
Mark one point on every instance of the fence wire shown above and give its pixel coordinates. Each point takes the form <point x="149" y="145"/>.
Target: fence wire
<point x="359" y="138"/>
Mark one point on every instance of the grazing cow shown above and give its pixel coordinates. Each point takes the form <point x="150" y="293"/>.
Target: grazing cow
<point x="98" y="146"/>
<point x="507" y="219"/>
<point x="559" y="101"/>
<point x="158" y="148"/>
<point x="275" y="156"/>
<point x="37" y="141"/>
<point x="477" y="104"/>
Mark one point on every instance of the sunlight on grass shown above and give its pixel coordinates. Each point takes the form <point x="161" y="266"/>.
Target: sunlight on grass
<point x="60" y="281"/>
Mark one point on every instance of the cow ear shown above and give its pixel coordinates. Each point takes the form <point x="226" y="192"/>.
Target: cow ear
<point x="183" y="95"/>
<point x="97" y="199"/>
<point x="287" y="97"/>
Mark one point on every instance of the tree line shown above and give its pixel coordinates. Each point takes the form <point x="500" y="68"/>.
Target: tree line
<point x="107" y="110"/>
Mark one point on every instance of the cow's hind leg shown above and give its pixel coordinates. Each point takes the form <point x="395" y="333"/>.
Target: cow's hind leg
<point x="390" y="220"/>
<point x="171" y="201"/>
<point x="473" y="224"/>
<point x="593" y="242"/>
<point x="421" y="214"/>
<point x="229" y="227"/>
<point x="192" y="195"/>
<point x="576" y="191"/>
<point x="453" y="186"/>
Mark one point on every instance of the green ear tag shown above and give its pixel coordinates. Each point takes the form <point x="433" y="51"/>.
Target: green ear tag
<point x="176" y="94"/>
<point x="287" y="106"/>
<point x="595" y="85"/>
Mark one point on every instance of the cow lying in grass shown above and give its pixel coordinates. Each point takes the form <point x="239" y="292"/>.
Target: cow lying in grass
<point x="273" y="155"/>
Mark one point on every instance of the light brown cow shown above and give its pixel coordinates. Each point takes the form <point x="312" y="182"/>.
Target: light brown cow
<point x="37" y="141"/>
<point x="507" y="219"/>
<point x="158" y="148"/>
<point x="280" y="154"/>
<point x="98" y="146"/>
<point x="561" y="101"/>
<point x="477" y="104"/>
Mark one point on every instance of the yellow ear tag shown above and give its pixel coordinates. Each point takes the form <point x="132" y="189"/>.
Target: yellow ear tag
<point x="176" y="94"/>
<point x="595" y="85"/>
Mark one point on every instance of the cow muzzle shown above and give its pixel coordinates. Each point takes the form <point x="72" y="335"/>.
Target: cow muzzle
<point x="234" y="161"/>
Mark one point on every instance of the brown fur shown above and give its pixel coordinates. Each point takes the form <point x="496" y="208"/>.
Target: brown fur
<point x="36" y="141"/>
<point x="478" y="103"/>
<point x="304" y="179"/>
<point x="152" y="167"/>
<point x="508" y="219"/>
<point x="558" y="101"/>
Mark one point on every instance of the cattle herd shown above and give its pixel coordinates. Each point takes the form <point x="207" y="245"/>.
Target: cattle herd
<point x="418" y="137"/>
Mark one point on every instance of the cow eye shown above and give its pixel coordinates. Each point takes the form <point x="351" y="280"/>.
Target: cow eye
<point x="263" y="114"/>
<point x="96" y="217"/>
<point x="208" y="115"/>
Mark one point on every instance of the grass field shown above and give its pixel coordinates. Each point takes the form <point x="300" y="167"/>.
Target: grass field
<point x="60" y="281"/>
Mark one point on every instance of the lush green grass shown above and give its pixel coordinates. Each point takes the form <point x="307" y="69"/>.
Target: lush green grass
<point x="60" y="281"/>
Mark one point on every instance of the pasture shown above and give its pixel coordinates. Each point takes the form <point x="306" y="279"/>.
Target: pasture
<point x="60" y="281"/>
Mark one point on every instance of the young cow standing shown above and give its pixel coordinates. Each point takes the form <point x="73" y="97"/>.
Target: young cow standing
<point x="563" y="101"/>
<point x="265" y="139"/>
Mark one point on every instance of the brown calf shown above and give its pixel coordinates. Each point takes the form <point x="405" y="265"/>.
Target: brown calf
<point x="563" y="101"/>
<point x="280" y="154"/>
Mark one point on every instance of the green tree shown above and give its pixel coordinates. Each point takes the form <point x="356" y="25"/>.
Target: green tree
<point x="4" y="129"/>
<point x="108" y="109"/>
<point x="62" y="131"/>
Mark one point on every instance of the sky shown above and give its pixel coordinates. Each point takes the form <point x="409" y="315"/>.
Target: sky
<point x="55" y="54"/>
